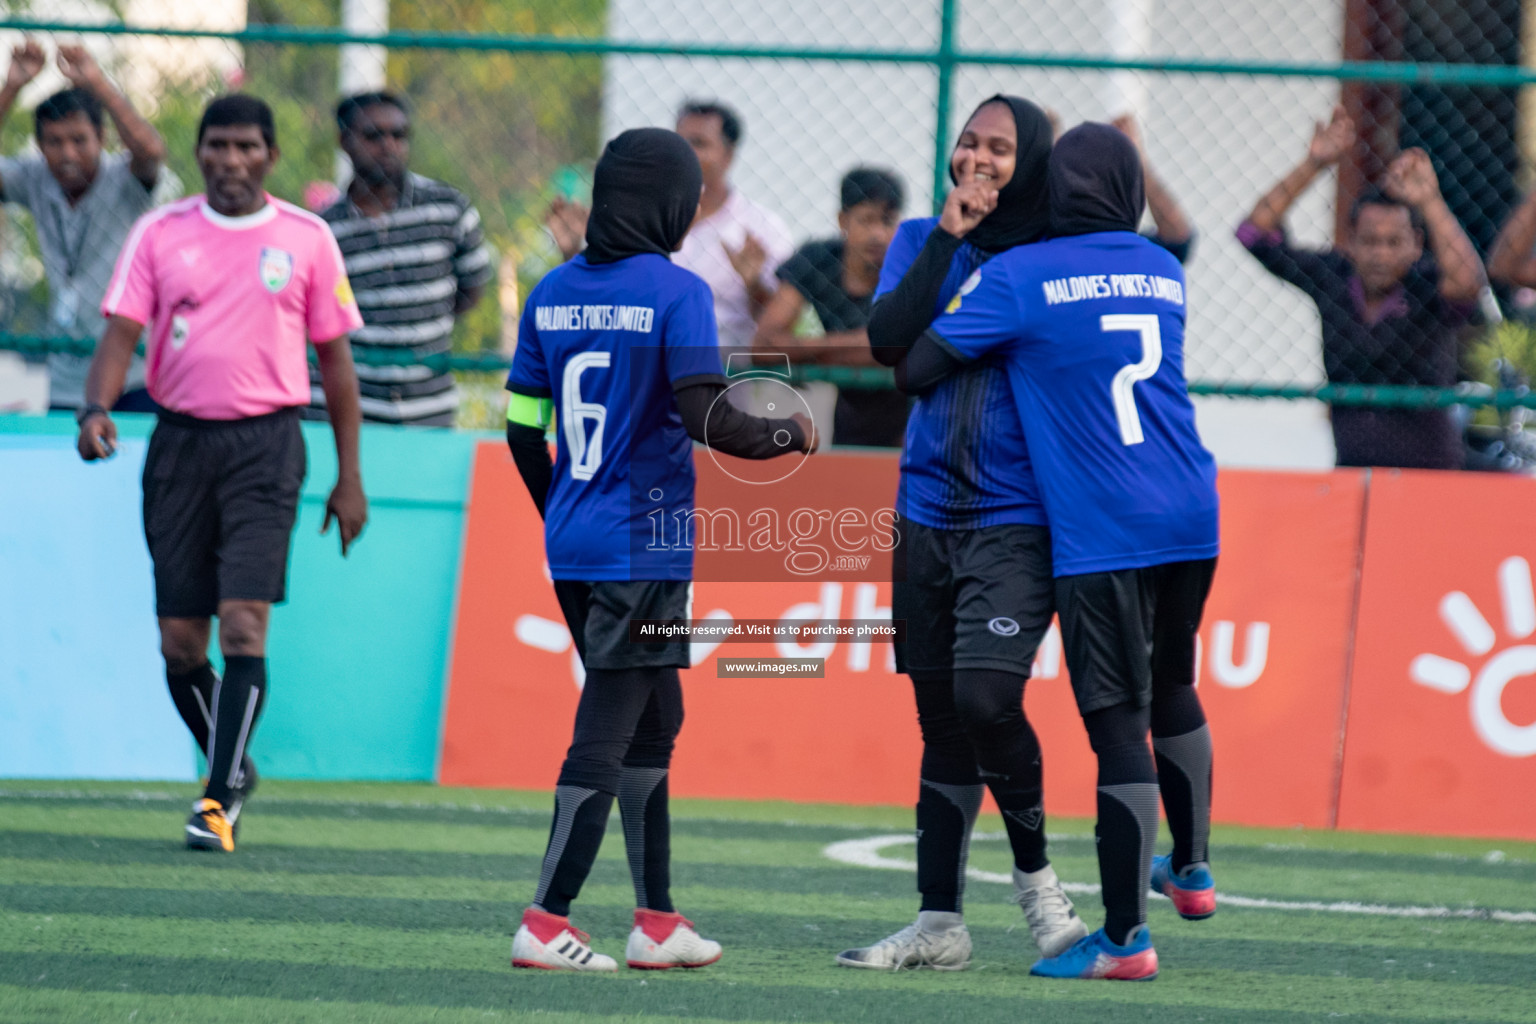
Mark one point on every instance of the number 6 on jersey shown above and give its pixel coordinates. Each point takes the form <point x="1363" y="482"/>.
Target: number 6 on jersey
<point x="1121" y="388"/>
<point x="586" y="448"/>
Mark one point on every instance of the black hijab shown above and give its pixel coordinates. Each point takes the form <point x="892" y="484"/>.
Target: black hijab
<point x="1095" y="182"/>
<point x="1022" y="214"/>
<point x="645" y="193"/>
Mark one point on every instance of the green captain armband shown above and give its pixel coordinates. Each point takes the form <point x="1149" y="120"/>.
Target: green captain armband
<point x="530" y="411"/>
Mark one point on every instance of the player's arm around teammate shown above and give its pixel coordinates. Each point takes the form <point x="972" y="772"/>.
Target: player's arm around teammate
<point x="234" y="282"/>
<point x="971" y="572"/>
<point x="1091" y="327"/>
<point x="618" y="346"/>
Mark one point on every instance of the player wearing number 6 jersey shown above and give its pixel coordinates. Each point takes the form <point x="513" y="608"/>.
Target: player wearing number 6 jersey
<point x="617" y="349"/>
<point x="1091" y="327"/>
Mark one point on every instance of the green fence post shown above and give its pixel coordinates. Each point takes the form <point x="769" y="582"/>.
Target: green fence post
<point x="945" y="60"/>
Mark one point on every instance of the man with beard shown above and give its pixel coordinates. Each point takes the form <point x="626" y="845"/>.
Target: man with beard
<point x="416" y="257"/>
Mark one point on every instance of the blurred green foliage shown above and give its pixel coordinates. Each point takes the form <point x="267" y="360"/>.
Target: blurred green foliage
<point x="498" y="126"/>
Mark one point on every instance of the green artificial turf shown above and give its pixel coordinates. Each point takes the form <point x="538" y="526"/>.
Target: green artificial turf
<point x="387" y="903"/>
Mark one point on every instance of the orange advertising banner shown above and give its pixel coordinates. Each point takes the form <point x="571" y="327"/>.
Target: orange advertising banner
<point x="1442" y="709"/>
<point x="1274" y="652"/>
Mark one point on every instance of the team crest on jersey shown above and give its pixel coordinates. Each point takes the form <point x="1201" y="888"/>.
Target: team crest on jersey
<point x="965" y="289"/>
<point x="276" y="269"/>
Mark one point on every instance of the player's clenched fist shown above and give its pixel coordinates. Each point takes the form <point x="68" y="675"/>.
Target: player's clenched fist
<point x="1411" y="178"/>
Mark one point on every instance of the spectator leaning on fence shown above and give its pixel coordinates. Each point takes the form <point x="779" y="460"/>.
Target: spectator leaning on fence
<point x="820" y="310"/>
<point x="83" y="202"/>
<point x="735" y="245"/>
<point x="1389" y="314"/>
<point x="417" y="260"/>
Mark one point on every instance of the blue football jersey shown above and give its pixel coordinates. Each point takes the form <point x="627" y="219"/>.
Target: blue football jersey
<point x="1092" y="331"/>
<point x="608" y="342"/>
<point x="963" y="463"/>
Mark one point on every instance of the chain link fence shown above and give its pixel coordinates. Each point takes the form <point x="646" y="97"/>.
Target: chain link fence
<point x="513" y="98"/>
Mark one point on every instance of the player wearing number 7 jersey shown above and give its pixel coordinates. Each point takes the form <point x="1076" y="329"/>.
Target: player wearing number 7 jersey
<point x="1091" y="327"/>
<point x="617" y="349"/>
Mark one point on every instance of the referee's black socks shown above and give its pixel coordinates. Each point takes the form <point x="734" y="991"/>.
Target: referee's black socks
<point x="1127" y="805"/>
<point x="192" y="693"/>
<point x="237" y="701"/>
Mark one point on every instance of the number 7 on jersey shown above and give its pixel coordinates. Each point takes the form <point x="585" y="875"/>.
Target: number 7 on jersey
<point x="1121" y="388"/>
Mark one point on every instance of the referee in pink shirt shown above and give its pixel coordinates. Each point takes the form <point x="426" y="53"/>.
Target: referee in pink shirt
<point x="233" y="282"/>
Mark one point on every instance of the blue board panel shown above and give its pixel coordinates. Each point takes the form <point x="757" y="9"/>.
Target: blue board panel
<point x="358" y="655"/>
<point x="82" y="691"/>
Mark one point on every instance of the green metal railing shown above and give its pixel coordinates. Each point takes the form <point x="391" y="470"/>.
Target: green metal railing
<point x="945" y="58"/>
<point x="1389" y="396"/>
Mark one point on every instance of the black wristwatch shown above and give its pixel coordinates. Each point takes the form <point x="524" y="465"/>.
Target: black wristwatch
<point x="88" y="410"/>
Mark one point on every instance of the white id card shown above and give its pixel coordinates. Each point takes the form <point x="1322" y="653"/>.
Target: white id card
<point x="66" y="305"/>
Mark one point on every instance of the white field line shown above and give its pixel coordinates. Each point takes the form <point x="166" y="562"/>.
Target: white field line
<point x="857" y="852"/>
<point x="870" y="853"/>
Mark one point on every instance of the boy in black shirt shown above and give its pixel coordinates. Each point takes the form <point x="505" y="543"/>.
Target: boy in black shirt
<point x="819" y="313"/>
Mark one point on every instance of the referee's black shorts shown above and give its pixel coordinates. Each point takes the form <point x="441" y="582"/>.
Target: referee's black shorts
<point x="598" y="614"/>
<point x="220" y="498"/>
<point x="1125" y="631"/>
<point x="971" y="599"/>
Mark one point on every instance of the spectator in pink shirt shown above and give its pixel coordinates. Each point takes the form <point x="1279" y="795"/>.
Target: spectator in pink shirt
<point x="233" y="283"/>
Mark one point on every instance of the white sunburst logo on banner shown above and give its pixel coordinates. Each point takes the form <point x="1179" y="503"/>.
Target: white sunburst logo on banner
<point x="1478" y="638"/>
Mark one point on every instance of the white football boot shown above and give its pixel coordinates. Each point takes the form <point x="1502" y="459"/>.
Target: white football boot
<point x="660" y="941"/>
<point x="550" y="943"/>
<point x="916" y="947"/>
<point x="1052" y="922"/>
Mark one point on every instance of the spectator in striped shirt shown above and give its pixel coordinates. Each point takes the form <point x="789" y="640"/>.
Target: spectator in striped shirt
<point x="417" y="260"/>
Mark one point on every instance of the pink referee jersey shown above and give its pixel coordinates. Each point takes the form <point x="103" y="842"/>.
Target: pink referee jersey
<point x="231" y="302"/>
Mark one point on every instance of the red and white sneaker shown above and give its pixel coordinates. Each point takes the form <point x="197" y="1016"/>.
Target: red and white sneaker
<point x="660" y="941"/>
<point x="548" y="942"/>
